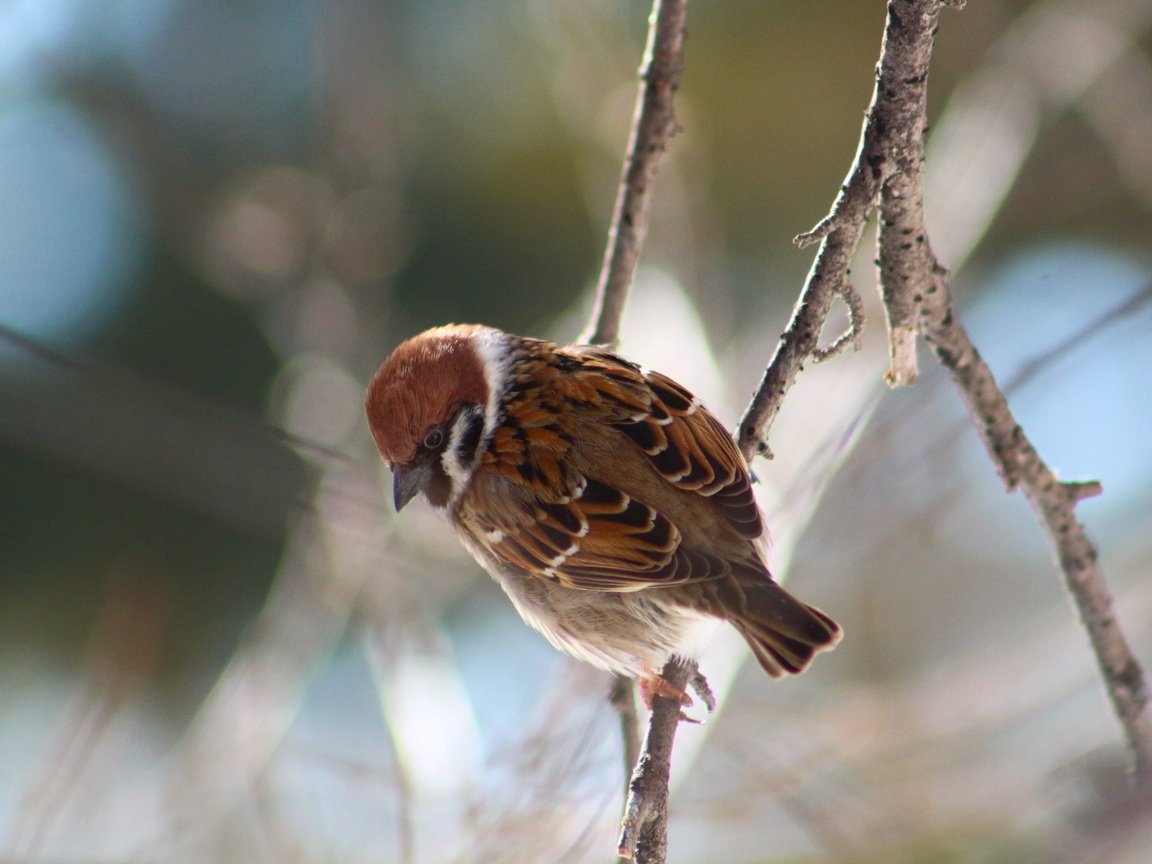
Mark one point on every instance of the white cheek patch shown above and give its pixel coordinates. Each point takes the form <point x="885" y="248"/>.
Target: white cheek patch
<point x="458" y="470"/>
<point x="492" y="348"/>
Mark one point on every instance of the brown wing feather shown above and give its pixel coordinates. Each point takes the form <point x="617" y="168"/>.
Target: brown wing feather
<point x="600" y="539"/>
<point x="585" y="533"/>
<point x="682" y="439"/>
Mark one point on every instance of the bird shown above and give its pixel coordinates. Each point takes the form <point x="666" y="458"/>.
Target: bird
<point x="608" y="502"/>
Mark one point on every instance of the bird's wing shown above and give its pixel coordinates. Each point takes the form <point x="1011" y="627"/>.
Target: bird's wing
<point x="530" y="507"/>
<point x="681" y="437"/>
<point x="598" y="539"/>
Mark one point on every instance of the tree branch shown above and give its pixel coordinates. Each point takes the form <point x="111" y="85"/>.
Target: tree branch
<point x="885" y="171"/>
<point x="890" y="144"/>
<point x="827" y="280"/>
<point x="653" y="125"/>
<point x="1054" y="502"/>
<point x="916" y="298"/>
<point x="644" y="829"/>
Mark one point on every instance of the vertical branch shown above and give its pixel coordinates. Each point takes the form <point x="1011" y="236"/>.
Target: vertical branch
<point x="653" y="125"/>
<point x="644" y="830"/>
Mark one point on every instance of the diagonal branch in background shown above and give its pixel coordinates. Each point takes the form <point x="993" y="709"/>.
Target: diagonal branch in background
<point x="653" y="125"/>
<point x="916" y="297"/>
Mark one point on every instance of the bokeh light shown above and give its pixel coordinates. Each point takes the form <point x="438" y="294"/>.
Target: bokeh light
<point x="69" y="217"/>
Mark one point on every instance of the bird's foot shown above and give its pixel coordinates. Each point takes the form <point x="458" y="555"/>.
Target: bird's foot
<point x="653" y="684"/>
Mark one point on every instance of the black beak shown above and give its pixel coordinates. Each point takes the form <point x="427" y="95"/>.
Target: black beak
<point x="408" y="481"/>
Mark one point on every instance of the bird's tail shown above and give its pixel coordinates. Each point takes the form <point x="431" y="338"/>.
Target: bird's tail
<point x="783" y="633"/>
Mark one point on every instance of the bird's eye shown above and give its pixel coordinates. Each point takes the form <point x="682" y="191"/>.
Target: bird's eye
<point x="433" y="439"/>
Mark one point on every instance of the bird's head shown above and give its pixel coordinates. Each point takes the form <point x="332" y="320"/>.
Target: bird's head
<point x="432" y="405"/>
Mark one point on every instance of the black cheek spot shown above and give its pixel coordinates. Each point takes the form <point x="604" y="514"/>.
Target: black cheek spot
<point x="470" y="436"/>
<point x="439" y="488"/>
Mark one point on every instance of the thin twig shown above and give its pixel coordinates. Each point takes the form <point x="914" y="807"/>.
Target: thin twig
<point x="644" y="830"/>
<point x="702" y="689"/>
<point x="1090" y="330"/>
<point x="40" y="350"/>
<point x="827" y="280"/>
<point x="653" y="124"/>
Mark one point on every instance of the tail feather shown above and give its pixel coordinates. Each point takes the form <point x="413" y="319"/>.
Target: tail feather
<point x="784" y="633"/>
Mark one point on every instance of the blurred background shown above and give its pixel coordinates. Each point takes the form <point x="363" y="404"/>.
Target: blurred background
<point x="218" y="216"/>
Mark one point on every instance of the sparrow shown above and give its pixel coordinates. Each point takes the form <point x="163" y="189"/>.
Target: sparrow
<point x="610" y="505"/>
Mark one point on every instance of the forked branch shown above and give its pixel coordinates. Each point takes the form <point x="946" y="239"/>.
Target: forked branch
<point x="890" y="145"/>
<point x="915" y="291"/>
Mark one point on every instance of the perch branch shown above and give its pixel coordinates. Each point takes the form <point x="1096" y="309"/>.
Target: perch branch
<point x="653" y="125"/>
<point x="644" y="829"/>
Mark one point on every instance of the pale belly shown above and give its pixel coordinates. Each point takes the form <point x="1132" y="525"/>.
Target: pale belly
<point x="633" y="633"/>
